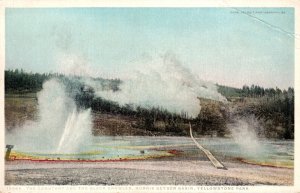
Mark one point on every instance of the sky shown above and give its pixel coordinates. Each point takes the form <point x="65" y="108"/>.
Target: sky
<point x="229" y="46"/>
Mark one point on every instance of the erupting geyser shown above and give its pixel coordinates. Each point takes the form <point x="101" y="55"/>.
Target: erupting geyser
<point x="61" y="127"/>
<point x="243" y="131"/>
<point x="75" y="133"/>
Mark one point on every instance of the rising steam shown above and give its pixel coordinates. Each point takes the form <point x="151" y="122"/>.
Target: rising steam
<point x="163" y="83"/>
<point x="244" y="131"/>
<point x="60" y="123"/>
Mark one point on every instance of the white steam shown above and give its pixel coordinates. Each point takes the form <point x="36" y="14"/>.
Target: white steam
<point x="70" y="64"/>
<point x="163" y="83"/>
<point x="76" y="131"/>
<point x="244" y="132"/>
<point x="57" y="113"/>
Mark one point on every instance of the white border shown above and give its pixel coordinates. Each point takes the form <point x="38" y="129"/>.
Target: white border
<point x="154" y="3"/>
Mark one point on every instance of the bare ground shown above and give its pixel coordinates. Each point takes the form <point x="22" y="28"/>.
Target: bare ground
<point x="150" y="172"/>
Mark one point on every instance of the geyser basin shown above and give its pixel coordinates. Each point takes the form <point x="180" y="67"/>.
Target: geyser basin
<point x="272" y="152"/>
<point x="101" y="149"/>
<point x="108" y="155"/>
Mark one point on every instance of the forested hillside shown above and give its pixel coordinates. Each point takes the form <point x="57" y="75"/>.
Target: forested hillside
<point x="273" y="108"/>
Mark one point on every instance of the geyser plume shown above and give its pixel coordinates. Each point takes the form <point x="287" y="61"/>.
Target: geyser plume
<point x="60" y="126"/>
<point x="244" y="132"/>
<point x="75" y="131"/>
<point x="163" y="83"/>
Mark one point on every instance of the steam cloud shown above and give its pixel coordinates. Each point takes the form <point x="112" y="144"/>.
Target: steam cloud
<point x="163" y="82"/>
<point x="58" y="120"/>
<point x="244" y="132"/>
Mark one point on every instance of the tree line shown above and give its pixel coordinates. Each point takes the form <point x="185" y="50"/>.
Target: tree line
<point x="255" y="91"/>
<point x="273" y="107"/>
<point x="19" y="81"/>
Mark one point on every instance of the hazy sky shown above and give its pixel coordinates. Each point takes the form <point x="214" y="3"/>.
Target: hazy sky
<point x="218" y="44"/>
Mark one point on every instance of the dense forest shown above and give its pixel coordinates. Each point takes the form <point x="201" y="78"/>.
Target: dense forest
<point x="254" y="91"/>
<point x="19" y="81"/>
<point x="273" y="108"/>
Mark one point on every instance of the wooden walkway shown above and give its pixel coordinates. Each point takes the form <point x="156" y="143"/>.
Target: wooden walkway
<point x="210" y="156"/>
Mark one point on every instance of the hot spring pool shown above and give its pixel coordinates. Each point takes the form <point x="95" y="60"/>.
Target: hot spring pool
<point x="278" y="153"/>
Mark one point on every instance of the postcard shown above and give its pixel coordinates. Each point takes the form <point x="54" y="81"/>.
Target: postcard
<point x="149" y="97"/>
